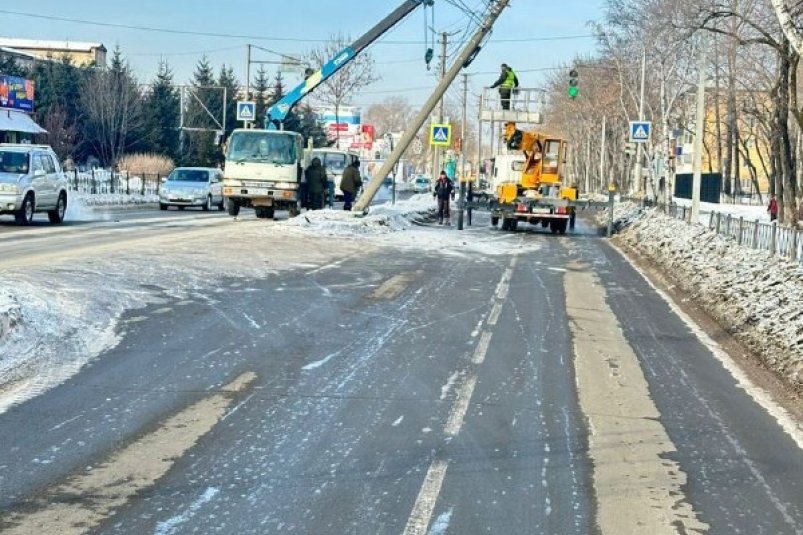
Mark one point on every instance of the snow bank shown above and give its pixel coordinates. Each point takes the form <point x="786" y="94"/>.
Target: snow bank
<point x="749" y="212"/>
<point x="757" y="296"/>
<point x="9" y="313"/>
<point x="409" y="224"/>
<point x="112" y="199"/>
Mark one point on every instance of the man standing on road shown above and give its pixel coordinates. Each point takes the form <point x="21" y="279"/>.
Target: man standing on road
<point x="772" y="208"/>
<point x="350" y="183"/>
<point x="507" y="82"/>
<point x="316" y="184"/>
<point x="444" y="192"/>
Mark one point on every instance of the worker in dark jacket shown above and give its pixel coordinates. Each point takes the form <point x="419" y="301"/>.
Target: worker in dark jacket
<point x="350" y="183"/>
<point x="444" y="192"/>
<point x="507" y="82"/>
<point x="316" y="184"/>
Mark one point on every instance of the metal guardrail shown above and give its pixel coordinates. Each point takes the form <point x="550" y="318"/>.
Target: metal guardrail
<point x="100" y="181"/>
<point x="781" y="241"/>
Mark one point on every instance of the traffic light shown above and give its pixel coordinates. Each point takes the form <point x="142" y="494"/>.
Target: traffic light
<point x="574" y="81"/>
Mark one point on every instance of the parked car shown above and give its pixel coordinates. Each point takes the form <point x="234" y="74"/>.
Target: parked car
<point x="200" y="187"/>
<point x="31" y="181"/>
<point x="422" y="184"/>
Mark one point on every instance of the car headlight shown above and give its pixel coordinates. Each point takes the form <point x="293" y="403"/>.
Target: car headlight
<point x="9" y="188"/>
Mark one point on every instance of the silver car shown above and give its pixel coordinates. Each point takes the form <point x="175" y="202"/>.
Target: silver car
<point x="31" y="181"/>
<point x="200" y="187"/>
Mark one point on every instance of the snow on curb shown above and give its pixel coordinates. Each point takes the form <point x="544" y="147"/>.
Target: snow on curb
<point x="758" y="296"/>
<point x="112" y="199"/>
<point x="10" y="313"/>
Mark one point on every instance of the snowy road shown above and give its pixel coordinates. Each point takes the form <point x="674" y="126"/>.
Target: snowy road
<point x="270" y="380"/>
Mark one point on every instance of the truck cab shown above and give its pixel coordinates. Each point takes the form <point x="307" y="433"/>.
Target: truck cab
<point x="263" y="170"/>
<point x="335" y="162"/>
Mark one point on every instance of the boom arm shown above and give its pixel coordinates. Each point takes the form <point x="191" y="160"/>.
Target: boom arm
<point x="278" y="112"/>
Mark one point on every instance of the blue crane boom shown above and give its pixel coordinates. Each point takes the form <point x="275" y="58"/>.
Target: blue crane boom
<point x="277" y="113"/>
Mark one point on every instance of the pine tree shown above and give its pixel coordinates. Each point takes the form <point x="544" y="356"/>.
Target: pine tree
<point x="199" y="147"/>
<point x="162" y="114"/>
<point x="228" y="80"/>
<point x="10" y="67"/>
<point x="260" y="89"/>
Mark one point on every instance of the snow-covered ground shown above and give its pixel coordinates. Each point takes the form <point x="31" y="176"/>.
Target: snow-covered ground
<point x="60" y="314"/>
<point x="757" y="295"/>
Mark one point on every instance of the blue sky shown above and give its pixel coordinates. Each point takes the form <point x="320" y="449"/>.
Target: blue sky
<point x="401" y="66"/>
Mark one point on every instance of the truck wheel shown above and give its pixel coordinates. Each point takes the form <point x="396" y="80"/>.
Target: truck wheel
<point x="545" y="223"/>
<point x="553" y="226"/>
<point x="514" y="224"/>
<point x="270" y="213"/>
<point x="233" y="207"/>
<point x="494" y="221"/>
<point x="562" y="226"/>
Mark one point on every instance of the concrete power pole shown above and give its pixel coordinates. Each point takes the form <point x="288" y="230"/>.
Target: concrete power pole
<point x="699" y="131"/>
<point x="462" y="199"/>
<point x="415" y="125"/>
<point x="639" y="151"/>
<point x="436" y="153"/>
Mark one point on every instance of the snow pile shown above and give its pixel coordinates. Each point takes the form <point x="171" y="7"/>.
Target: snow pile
<point x="381" y="219"/>
<point x="9" y="313"/>
<point x="756" y="295"/>
<point x="112" y="199"/>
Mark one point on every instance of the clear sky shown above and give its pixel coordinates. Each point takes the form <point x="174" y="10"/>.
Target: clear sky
<point x="267" y="22"/>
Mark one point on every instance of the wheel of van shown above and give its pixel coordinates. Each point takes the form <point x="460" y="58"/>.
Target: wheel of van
<point x="494" y="221"/>
<point x="57" y="216"/>
<point x="208" y="205"/>
<point x="24" y="216"/>
<point x="233" y="207"/>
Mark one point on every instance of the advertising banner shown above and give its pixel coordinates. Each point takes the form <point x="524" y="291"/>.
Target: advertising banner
<point x="16" y="93"/>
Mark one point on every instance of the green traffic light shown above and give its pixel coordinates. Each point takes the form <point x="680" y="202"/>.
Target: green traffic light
<point x="574" y="91"/>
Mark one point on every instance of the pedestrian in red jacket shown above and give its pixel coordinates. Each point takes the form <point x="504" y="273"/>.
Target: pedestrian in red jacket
<point x="772" y="208"/>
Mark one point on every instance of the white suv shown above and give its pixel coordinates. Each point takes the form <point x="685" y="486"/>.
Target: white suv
<point x="31" y="181"/>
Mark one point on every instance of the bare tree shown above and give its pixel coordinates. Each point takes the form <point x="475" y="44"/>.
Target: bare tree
<point x="391" y="115"/>
<point x="62" y="134"/>
<point x="788" y="25"/>
<point x="113" y="106"/>
<point x="342" y="86"/>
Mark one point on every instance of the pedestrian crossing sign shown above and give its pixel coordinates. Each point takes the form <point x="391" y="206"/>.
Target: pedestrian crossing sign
<point x="246" y="111"/>
<point x="640" y="131"/>
<point x="440" y="135"/>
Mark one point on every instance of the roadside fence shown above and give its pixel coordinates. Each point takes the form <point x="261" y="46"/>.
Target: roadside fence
<point x="778" y="240"/>
<point x="98" y="181"/>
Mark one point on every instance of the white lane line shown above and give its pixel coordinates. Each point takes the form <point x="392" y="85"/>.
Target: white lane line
<point x="496" y="311"/>
<point x="421" y="516"/>
<point x="482" y="348"/>
<point x="460" y="407"/>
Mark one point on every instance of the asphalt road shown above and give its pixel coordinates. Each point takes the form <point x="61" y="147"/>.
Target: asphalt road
<point x="550" y="391"/>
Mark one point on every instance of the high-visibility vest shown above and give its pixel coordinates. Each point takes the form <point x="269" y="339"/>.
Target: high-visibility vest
<point x="510" y="80"/>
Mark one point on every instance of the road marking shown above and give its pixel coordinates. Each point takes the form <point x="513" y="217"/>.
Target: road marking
<point x="482" y="348"/>
<point x="460" y="407"/>
<point x="393" y="287"/>
<point x="639" y="489"/>
<point x="419" y="519"/>
<point x="496" y="310"/>
<point x="88" y="498"/>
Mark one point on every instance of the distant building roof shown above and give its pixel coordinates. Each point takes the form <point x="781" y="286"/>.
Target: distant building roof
<point x="16" y="53"/>
<point x="38" y="44"/>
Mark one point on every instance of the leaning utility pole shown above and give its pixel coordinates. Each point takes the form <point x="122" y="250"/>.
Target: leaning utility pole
<point x="470" y="50"/>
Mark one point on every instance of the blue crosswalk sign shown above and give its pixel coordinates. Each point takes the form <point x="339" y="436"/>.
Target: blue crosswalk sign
<point x="640" y="131"/>
<point x="440" y="135"/>
<point x="246" y="111"/>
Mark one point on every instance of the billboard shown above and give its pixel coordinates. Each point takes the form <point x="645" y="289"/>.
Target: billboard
<point x="16" y="93"/>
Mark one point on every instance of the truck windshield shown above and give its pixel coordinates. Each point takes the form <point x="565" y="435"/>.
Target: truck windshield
<point x="13" y="162"/>
<point x="263" y="146"/>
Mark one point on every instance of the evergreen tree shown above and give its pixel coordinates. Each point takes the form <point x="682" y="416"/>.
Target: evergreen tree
<point x="260" y="89"/>
<point x="58" y="88"/>
<point x="162" y="114"/>
<point x="229" y="81"/>
<point x="10" y="67"/>
<point x="199" y="147"/>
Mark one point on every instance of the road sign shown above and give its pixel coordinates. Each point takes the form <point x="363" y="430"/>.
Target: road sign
<point x="440" y="135"/>
<point x="246" y="111"/>
<point x="640" y="131"/>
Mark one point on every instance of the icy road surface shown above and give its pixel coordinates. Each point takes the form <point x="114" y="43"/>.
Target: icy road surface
<point x="185" y="373"/>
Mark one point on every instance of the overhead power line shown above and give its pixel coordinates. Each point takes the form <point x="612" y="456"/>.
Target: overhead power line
<point x="242" y="36"/>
